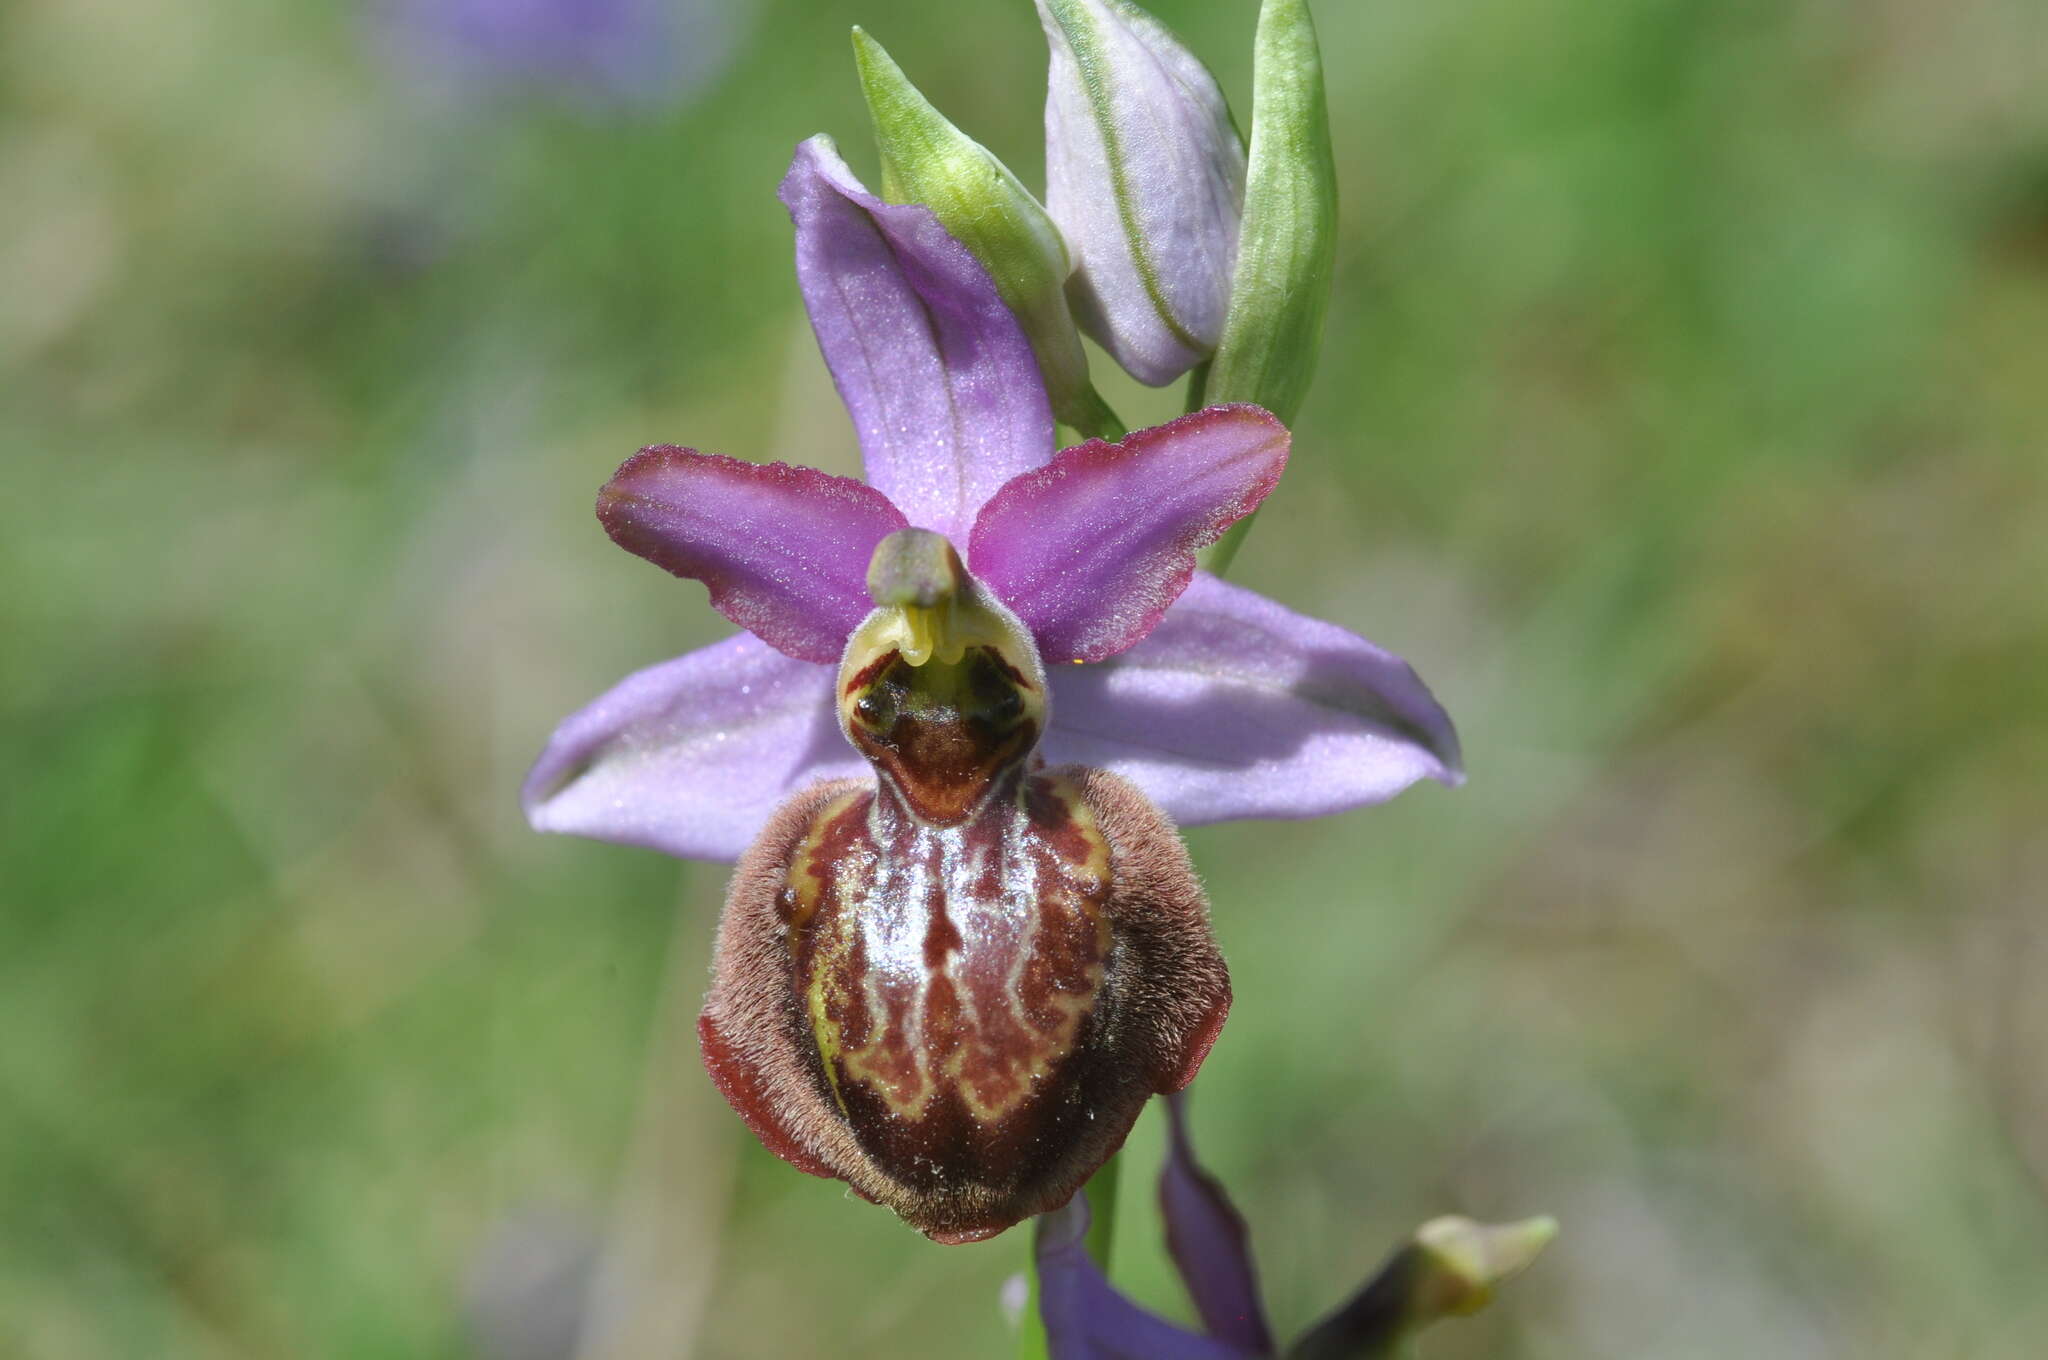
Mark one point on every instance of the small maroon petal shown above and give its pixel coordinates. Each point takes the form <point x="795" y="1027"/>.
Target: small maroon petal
<point x="1090" y="549"/>
<point x="783" y="549"/>
<point x="1087" y="1319"/>
<point x="1210" y="1244"/>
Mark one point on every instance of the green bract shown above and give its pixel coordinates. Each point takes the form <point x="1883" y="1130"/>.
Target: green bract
<point x="1288" y="241"/>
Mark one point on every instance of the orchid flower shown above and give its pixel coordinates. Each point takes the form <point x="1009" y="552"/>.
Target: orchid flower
<point x="1225" y="706"/>
<point x="964" y="944"/>
<point x="1449" y="1267"/>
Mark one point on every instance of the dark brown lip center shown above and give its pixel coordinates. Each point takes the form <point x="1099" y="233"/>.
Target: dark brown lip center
<point x="942" y="737"/>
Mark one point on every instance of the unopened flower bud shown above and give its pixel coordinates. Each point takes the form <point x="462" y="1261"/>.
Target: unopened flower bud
<point x="1145" y="175"/>
<point x="927" y="160"/>
<point x="955" y="986"/>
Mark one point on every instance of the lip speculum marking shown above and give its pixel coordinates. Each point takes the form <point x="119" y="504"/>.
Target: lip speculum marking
<point x="949" y="974"/>
<point x="956" y="988"/>
<point x="956" y="942"/>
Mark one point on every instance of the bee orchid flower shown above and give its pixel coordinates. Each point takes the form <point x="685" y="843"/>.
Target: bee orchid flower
<point x="1231" y="705"/>
<point x="963" y="944"/>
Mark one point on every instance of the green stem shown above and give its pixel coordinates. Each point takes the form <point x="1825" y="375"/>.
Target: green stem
<point x="1102" y="1211"/>
<point x="1090" y="415"/>
<point x="1031" y="1342"/>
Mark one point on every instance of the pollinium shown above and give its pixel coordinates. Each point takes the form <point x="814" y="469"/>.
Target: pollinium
<point x="954" y="986"/>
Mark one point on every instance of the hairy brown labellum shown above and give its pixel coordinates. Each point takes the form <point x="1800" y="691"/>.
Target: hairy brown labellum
<point x="955" y="986"/>
<point x="962" y="1023"/>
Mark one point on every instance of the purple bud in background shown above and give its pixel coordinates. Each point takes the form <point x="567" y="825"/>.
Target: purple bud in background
<point x="649" y="53"/>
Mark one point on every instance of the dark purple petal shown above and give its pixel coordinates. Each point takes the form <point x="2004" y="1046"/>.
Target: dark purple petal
<point x="1092" y="548"/>
<point x="1086" y="1319"/>
<point x="784" y="549"/>
<point x="1209" y="1241"/>
<point x="941" y="383"/>
<point x="1238" y="707"/>
<point x="690" y="757"/>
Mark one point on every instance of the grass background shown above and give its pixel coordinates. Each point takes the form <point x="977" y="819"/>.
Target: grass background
<point x="1682" y="417"/>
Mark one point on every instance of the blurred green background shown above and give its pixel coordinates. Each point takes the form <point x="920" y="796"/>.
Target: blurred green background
<point x="1682" y="417"/>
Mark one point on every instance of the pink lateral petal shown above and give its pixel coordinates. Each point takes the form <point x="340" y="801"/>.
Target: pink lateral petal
<point x="1091" y="548"/>
<point x="783" y="549"/>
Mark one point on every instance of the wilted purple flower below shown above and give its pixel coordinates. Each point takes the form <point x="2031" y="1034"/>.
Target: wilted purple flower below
<point x="1449" y="1267"/>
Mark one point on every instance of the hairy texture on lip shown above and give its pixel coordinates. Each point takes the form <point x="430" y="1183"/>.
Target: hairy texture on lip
<point x="752" y="1031"/>
<point x="962" y="1022"/>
